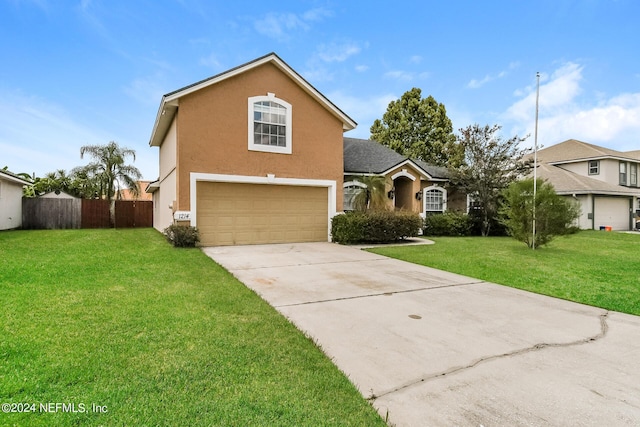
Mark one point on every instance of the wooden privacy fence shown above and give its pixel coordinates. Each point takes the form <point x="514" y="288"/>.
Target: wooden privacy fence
<point x="42" y="213"/>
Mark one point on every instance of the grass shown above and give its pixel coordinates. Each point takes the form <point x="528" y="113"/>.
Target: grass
<point x="155" y="335"/>
<point x="591" y="267"/>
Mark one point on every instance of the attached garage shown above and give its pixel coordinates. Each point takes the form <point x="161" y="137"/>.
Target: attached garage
<point x="612" y="211"/>
<point x="241" y="213"/>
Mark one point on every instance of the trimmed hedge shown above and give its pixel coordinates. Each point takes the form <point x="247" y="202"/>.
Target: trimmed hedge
<point x="448" y="224"/>
<point x="182" y="236"/>
<point x="374" y="226"/>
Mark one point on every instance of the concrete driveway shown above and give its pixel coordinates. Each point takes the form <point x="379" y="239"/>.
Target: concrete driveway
<point x="431" y="348"/>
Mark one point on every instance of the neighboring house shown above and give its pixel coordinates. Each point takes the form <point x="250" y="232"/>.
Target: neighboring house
<point x="410" y="184"/>
<point x="127" y="194"/>
<point x="252" y="155"/>
<point x="604" y="182"/>
<point x="57" y="194"/>
<point x="10" y="200"/>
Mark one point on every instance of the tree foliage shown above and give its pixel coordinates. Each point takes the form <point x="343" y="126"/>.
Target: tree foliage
<point x="102" y="178"/>
<point x="554" y="214"/>
<point x="108" y="168"/>
<point x="373" y="195"/>
<point x="419" y="128"/>
<point x="490" y="165"/>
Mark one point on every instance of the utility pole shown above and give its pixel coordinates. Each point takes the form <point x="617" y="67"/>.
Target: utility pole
<point x="535" y="162"/>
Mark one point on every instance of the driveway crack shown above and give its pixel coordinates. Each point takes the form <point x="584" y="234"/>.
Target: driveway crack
<point x="604" y="327"/>
<point x="386" y="293"/>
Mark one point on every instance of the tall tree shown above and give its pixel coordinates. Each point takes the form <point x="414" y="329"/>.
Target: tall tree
<point x="554" y="214"/>
<point x="419" y="127"/>
<point x="109" y="169"/>
<point x="490" y="165"/>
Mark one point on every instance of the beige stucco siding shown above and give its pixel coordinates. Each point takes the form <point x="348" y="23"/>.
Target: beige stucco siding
<point x="163" y="202"/>
<point x="212" y="133"/>
<point x="163" y="199"/>
<point x="10" y="205"/>
<point x="168" y="150"/>
<point x="585" y="202"/>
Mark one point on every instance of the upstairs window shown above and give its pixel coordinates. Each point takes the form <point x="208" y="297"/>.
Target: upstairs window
<point x="269" y="124"/>
<point x="633" y="174"/>
<point x="594" y="167"/>
<point x="623" y="173"/>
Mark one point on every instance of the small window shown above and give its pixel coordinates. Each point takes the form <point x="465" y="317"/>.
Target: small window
<point x="269" y="124"/>
<point x="633" y="174"/>
<point x="594" y="167"/>
<point x="623" y="173"/>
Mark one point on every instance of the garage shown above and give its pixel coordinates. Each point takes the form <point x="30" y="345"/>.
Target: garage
<point x="244" y="213"/>
<point x="613" y="212"/>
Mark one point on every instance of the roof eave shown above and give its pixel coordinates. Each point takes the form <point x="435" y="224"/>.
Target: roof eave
<point x="14" y="179"/>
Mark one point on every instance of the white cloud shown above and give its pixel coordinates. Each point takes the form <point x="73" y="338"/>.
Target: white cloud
<point x="565" y="112"/>
<point x="280" y="25"/>
<point x="361" y="68"/>
<point x="316" y="14"/>
<point x="147" y="90"/>
<point x="211" y="61"/>
<point x="39" y="136"/>
<point x="415" y="59"/>
<point x="363" y="110"/>
<point x="334" y="52"/>
<point x="405" y="76"/>
<point x="475" y="83"/>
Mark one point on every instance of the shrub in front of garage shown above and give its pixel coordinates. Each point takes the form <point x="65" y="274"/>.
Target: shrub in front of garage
<point x="182" y="236"/>
<point x="380" y="226"/>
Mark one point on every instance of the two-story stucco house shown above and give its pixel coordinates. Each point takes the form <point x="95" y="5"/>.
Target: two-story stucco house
<point x="252" y="155"/>
<point x="603" y="181"/>
<point x="257" y="155"/>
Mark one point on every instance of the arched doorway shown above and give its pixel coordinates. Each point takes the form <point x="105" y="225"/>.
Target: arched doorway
<point x="403" y="189"/>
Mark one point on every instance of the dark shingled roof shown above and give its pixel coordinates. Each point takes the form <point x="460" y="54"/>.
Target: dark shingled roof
<point x="367" y="156"/>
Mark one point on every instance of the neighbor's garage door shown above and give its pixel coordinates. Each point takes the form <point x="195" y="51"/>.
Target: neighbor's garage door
<point x="240" y="214"/>
<point x="612" y="211"/>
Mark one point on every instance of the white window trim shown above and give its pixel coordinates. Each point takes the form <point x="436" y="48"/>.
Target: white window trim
<point x="354" y="182"/>
<point x="597" y="167"/>
<point x="403" y="173"/>
<point x="250" y="132"/>
<point x="424" y="199"/>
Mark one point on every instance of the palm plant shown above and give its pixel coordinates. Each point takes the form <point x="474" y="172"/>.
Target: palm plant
<point x="110" y="171"/>
<point x="373" y="195"/>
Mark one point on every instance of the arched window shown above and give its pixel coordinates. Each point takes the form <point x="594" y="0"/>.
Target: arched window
<point x="434" y="200"/>
<point x="350" y="190"/>
<point x="269" y="124"/>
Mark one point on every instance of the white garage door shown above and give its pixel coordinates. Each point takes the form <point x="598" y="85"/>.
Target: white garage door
<point x="613" y="212"/>
<point x="240" y="214"/>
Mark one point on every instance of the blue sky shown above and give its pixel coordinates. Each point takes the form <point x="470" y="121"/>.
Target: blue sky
<point x="89" y="72"/>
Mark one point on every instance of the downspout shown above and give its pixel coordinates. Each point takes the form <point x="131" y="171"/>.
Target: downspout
<point x="593" y="212"/>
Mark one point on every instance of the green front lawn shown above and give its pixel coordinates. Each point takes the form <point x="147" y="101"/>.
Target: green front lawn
<point x="591" y="267"/>
<point x="120" y="321"/>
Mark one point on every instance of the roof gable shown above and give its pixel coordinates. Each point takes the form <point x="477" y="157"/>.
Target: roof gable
<point x="572" y="150"/>
<point x="364" y="156"/>
<point x="170" y="101"/>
